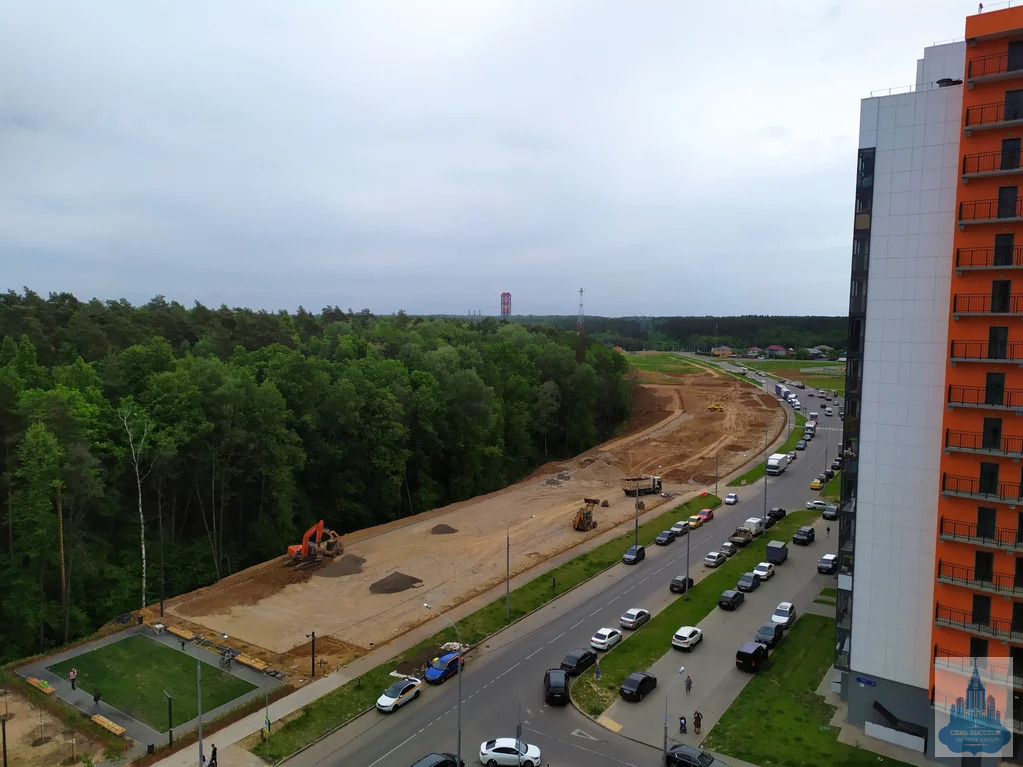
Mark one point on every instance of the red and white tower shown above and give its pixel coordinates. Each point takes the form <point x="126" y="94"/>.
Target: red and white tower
<point x="506" y="304"/>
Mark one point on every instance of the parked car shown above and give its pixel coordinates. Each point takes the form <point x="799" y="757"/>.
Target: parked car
<point x="731" y="599"/>
<point x="819" y="505"/>
<point x="750" y="656"/>
<point x="637" y="685"/>
<point x="804" y="535"/>
<point x="836" y="464"/>
<point x="605" y="639"/>
<point x="841" y="414"/>
<point x="731" y="498"/>
<point x="634" y="554"/>
<point x="577" y="661"/>
<point x="796" y="406"/>
<point x="687" y="637"/>
<point x="829" y="474"/>
<point x="695" y="521"/>
<point x="728" y="549"/>
<point x="714" y="559"/>
<point x="793" y="455"/>
<point x="664" y="538"/>
<point x="784" y="614"/>
<point x="830" y="513"/>
<point x="680" y="528"/>
<point x="776" y="513"/>
<point x="801" y="445"/>
<point x="828" y="564"/>
<point x="769" y="523"/>
<point x="443" y="667"/>
<point x="706" y="514"/>
<point x="399" y="693"/>
<point x="438" y="760"/>
<point x="509" y="751"/>
<point x="634" y="618"/>
<point x="748" y="582"/>
<point x="769" y="634"/>
<point x="691" y="756"/>
<point x="555" y="686"/>
<point x="765" y="570"/>
<point x="680" y="584"/>
<point x="816" y="484"/>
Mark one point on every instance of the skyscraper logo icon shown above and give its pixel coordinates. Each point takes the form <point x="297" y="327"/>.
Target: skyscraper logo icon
<point x="975" y="718"/>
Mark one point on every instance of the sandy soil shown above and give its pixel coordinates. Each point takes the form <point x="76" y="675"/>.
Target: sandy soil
<point x="446" y="556"/>
<point x="37" y="739"/>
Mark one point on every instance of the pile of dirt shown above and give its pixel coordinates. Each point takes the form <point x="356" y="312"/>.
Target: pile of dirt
<point x="394" y="583"/>
<point x="349" y="564"/>
<point x="442" y="529"/>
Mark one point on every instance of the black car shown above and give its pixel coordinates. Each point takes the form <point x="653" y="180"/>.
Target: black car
<point x="731" y="599"/>
<point x="637" y="685"/>
<point x="836" y="464"/>
<point x="804" y="536"/>
<point x="829" y="474"/>
<point x="769" y="522"/>
<point x="690" y="756"/>
<point x="577" y="661"/>
<point x="749" y="582"/>
<point x="776" y="513"/>
<point x="680" y="584"/>
<point x="828" y="564"/>
<point x="823" y="477"/>
<point x="750" y="656"/>
<point x="555" y="686"/>
<point x="438" y="760"/>
<point x="634" y="554"/>
<point x="664" y="538"/>
<point x="770" y="634"/>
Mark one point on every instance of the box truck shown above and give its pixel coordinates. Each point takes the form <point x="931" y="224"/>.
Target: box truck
<point x="777" y="463"/>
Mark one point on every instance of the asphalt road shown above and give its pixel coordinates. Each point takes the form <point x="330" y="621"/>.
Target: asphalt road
<point x="502" y="682"/>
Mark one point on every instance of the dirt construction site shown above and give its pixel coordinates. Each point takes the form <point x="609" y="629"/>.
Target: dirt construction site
<point x="375" y="591"/>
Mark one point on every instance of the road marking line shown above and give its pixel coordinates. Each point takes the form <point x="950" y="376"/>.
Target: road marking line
<point x="533" y="653"/>
<point x="394" y="749"/>
<point x="593" y="613"/>
<point x="645" y="579"/>
<point x="559" y="636"/>
<point x="580" y="734"/>
<point x="576" y="624"/>
<point x="510" y="670"/>
<point x="623" y="594"/>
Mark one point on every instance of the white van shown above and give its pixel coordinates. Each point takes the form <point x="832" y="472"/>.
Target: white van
<point x="812" y="416"/>
<point x="755" y="525"/>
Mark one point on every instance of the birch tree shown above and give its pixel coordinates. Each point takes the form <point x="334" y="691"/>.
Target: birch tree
<point x="138" y="427"/>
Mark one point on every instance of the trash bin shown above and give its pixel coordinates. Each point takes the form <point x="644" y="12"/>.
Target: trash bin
<point x="150" y="749"/>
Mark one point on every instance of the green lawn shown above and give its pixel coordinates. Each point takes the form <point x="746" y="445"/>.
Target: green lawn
<point x="781" y="707"/>
<point x="133" y="672"/>
<point x="789" y="370"/>
<point x="827" y="591"/>
<point x="641" y="648"/>
<point x="661" y="362"/>
<point x="833" y="490"/>
<point x="788" y="446"/>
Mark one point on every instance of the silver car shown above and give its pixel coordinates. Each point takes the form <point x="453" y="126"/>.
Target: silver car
<point x="714" y="559"/>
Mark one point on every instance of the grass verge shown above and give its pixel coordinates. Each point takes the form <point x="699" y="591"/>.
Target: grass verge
<point x="833" y="490"/>
<point x="823" y="601"/>
<point x="663" y="362"/>
<point x="789" y="445"/>
<point x="345" y="703"/>
<point x="781" y="706"/>
<point x="827" y="591"/>
<point x="641" y="648"/>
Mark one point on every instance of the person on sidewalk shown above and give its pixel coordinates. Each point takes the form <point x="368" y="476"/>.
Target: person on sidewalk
<point x="73" y="676"/>
<point x="213" y="757"/>
<point x="827" y="531"/>
<point x="689" y="684"/>
<point x="97" y="698"/>
<point x="697" y="721"/>
<point x="682" y="725"/>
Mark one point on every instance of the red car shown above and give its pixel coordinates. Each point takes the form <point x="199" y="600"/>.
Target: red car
<point x="706" y="515"/>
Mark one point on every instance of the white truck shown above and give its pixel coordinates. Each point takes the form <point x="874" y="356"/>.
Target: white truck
<point x="777" y="463"/>
<point x="755" y="525"/>
<point x="809" y="429"/>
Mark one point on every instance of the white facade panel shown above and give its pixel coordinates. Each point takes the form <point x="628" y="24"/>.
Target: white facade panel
<point x="905" y="346"/>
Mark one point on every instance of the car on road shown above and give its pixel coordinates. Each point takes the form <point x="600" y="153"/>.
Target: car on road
<point x="748" y="582"/>
<point x="634" y="554"/>
<point x="605" y="639"/>
<point x="793" y="455"/>
<point x="637" y="685"/>
<point x="796" y="406"/>
<point x="680" y="584"/>
<point x="714" y="559"/>
<point x="828" y="564"/>
<point x="776" y="513"/>
<point x="695" y="521"/>
<point x="690" y="756"/>
<point x="577" y="661"/>
<point x="730" y="599"/>
<point x="680" y="528"/>
<point x="687" y="637"/>
<point x="438" y="760"/>
<point x="728" y="549"/>
<point x="706" y="514"/>
<point x="399" y="693"/>
<point x="502" y="751"/>
<point x="816" y="484"/>
<point x="634" y="618"/>
<point x="731" y="499"/>
<point x="664" y="538"/>
<point x="784" y="614"/>
<point x="819" y="505"/>
<point x="829" y="474"/>
<point x="555" y="686"/>
<point x="750" y="656"/>
<point x="828" y="411"/>
<point x="804" y="535"/>
<point x="801" y="445"/>
<point x="769" y="634"/>
<point x="836" y="464"/>
<point x="765" y="570"/>
<point x="443" y="667"/>
<point x="769" y="522"/>
<point x="841" y="414"/>
<point x="811" y="393"/>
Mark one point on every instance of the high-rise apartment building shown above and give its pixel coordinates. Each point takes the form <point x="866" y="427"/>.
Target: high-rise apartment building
<point x="931" y="520"/>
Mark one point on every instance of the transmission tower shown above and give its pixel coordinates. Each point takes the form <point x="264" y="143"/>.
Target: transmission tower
<point x="579" y="322"/>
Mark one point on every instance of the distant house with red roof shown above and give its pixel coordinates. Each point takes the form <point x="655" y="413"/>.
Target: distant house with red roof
<point x="753" y="351"/>
<point x="776" y="351"/>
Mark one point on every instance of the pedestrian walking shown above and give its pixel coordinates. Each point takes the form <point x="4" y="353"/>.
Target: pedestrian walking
<point x="182" y="645"/>
<point x="73" y="676"/>
<point x="827" y="531"/>
<point x="213" y="757"/>
<point x="97" y="697"/>
<point x="689" y="684"/>
<point x="697" y="721"/>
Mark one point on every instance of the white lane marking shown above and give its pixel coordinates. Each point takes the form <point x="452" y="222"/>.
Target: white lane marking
<point x="557" y="638"/>
<point x="508" y="671"/>
<point x="623" y="594"/>
<point x="593" y="613"/>
<point x="580" y="748"/>
<point x="576" y="624"/>
<point x="580" y="734"/>
<point x="533" y="653"/>
<point x="395" y="748"/>
<point x="645" y="579"/>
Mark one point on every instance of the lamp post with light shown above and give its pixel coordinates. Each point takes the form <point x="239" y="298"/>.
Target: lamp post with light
<point x="681" y="671"/>
<point x="458" y="636"/>
<point x="507" y="564"/>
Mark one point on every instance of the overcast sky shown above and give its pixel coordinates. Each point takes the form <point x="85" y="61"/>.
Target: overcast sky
<point x="671" y="157"/>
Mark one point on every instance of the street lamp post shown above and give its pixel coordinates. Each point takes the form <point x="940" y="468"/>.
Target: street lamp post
<point x="170" y="719"/>
<point x="507" y="575"/>
<point x="198" y="684"/>
<point x="637" y="512"/>
<point x="715" y="474"/>
<point x="765" y="481"/>
<point x="313" y="653"/>
<point x="688" y="536"/>
<point x="458" y="752"/>
<point x="681" y="671"/>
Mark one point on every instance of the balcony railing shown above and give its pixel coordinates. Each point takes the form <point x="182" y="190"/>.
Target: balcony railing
<point x="988" y="114"/>
<point x="983" y="625"/>
<point x="985" y="303"/>
<point x="979" y="396"/>
<point x="974" y="442"/>
<point x="945" y="701"/>
<point x="989" y="258"/>
<point x="962" y="575"/>
<point x="985" y="66"/>
<point x="969" y="351"/>
<point x="991" y="162"/>
<point x="990" y="669"/>
<point x="993" y="537"/>
<point x="990" y="210"/>
<point x="971" y="487"/>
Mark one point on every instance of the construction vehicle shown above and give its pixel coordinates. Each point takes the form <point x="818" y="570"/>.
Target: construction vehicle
<point x="644" y="485"/>
<point x="317" y="543"/>
<point x="715" y="408"/>
<point x="741" y="537"/>
<point x="583" y="520"/>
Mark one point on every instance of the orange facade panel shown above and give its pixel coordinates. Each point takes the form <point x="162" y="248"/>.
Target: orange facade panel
<point x="993" y="23"/>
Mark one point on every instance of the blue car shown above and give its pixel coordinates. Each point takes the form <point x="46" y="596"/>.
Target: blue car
<point x="443" y="667"/>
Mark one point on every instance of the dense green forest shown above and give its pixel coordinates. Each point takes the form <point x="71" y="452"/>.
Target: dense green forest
<point x="205" y="440"/>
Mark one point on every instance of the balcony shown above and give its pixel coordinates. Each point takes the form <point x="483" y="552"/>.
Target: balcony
<point x="973" y="442"/>
<point x="978" y="624"/>
<point x="991" y="116"/>
<point x="958" y="486"/>
<point x="976" y="259"/>
<point x="973" y="212"/>
<point x="990" y="69"/>
<point x="992" y="583"/>
<point x="1002" y="538"/>
<point x="984" y="351"/>
<point x="995" y="670"/>
<point x="982" y="398"/>
<point x="944" y="701"/>
<point x="986" y="305"/>
<point x="991" y="165"/>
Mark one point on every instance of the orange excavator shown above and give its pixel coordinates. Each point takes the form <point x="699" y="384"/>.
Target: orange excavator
<point x="317" y="543"/>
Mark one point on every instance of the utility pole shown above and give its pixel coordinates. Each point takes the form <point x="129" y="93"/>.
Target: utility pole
<point x="765" y="481"/>
<point x="715" y="474"/>
<point x="637" y="511"/>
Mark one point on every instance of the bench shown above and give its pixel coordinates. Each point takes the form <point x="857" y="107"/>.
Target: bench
<point x="185" y="634"/>
<point x="245" y="660"/>
<point x="106" y="724"/>
<point x="40" y="685"/>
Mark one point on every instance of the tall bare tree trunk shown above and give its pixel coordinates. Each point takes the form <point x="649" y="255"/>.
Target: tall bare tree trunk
<point x="63" y="569"/>
<point x="10" y="495"/>
<point x="134" y="421"/>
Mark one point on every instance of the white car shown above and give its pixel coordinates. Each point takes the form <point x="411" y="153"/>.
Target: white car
<point x="687" y="637"/>
<point x="731" y="499"/>
<point x="509" y="751"/>
<point x="796" y="406"/>
<point x="399" y="693"/>
<point x="785" y="614"/>
<point x="634" y="618"/>
<point x="605" y="639"/>
<point x="680" y="528"/>
<point x="828" y="411"/>
<point x="765" y="570"/>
